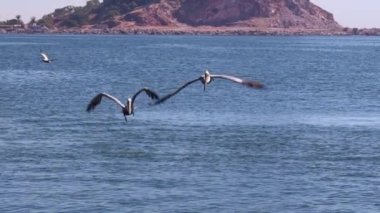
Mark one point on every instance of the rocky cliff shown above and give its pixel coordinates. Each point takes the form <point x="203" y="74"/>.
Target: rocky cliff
<point x="291" y="15"/>
<point x="252" y="13"/>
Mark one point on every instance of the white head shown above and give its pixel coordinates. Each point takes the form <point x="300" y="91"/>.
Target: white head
<point x="206" y="79"/>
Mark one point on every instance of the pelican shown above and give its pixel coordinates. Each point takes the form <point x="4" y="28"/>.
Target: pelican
<point x="207" y="78"/>
<point x="128" y="108"/>
<point x="45" y="58"/>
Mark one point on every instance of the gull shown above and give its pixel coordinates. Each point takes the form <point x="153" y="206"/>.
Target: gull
<point x="128" y="108"/>
<point x="207" y="78"/>
<point x="45" y="57"/>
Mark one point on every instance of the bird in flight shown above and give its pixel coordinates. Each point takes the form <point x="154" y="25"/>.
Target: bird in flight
<point x="207" y="78"/>
<point x="128" y="108"/>
<point x="45" y="57"/>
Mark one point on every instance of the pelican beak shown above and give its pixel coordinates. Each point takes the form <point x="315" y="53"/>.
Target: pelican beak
<point x="204" y="86"/>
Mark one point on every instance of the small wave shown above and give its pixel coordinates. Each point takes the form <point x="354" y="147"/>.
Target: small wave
<point x="343" y="120"/>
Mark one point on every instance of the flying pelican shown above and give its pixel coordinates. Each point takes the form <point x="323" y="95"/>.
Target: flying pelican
<point x="128" y="108"/>
<point x="45" y="58"/>
<point x="207" y="78"/>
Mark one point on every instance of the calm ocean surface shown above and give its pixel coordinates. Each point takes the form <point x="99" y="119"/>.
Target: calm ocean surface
<point x="308" y="142"/>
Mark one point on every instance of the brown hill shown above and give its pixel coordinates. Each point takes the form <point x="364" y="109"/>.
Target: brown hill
<point x="194" y="15"/>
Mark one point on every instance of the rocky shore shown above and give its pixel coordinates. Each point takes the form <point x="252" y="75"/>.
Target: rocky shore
<point x="206" y="30"/>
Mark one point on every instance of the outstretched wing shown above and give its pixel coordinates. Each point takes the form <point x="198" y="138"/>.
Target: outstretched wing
<point x="98" y="98"/>
<point x="248" y="83"/>
<point x="152" y="94"/>
<point x="166" y="97"/>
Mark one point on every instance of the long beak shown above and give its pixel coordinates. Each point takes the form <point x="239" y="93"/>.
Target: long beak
<point x="204" y="86"/>
<point x="125" y="117"/>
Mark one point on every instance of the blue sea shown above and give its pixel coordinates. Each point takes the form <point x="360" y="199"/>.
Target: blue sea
<point x="308" y="142"/>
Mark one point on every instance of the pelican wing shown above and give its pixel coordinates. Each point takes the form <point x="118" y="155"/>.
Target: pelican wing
<point x="152" y="94"/>
<point x="166" y="97"/>
<point x="248" y="83"/>
<point x="98" y="98"/>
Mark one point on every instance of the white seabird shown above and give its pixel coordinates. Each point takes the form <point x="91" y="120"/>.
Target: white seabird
<point x="45" y="57"/>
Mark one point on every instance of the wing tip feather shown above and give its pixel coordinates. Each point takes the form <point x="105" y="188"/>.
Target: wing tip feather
<point x="254" y="84"/>
<point x="94" y="102"/>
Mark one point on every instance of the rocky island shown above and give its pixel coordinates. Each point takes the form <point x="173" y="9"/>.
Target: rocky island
<point x="225" y="17"/>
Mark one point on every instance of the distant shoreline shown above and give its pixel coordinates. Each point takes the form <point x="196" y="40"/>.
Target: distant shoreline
<point x="233" y="31"/>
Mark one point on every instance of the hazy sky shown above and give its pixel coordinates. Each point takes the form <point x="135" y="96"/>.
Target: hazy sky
<point x="353" y="13"/>
<point x="28" y="8"/>
<point x="350" y="13"/>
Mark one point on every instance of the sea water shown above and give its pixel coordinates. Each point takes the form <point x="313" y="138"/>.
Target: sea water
<point x="308" y="142"/>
